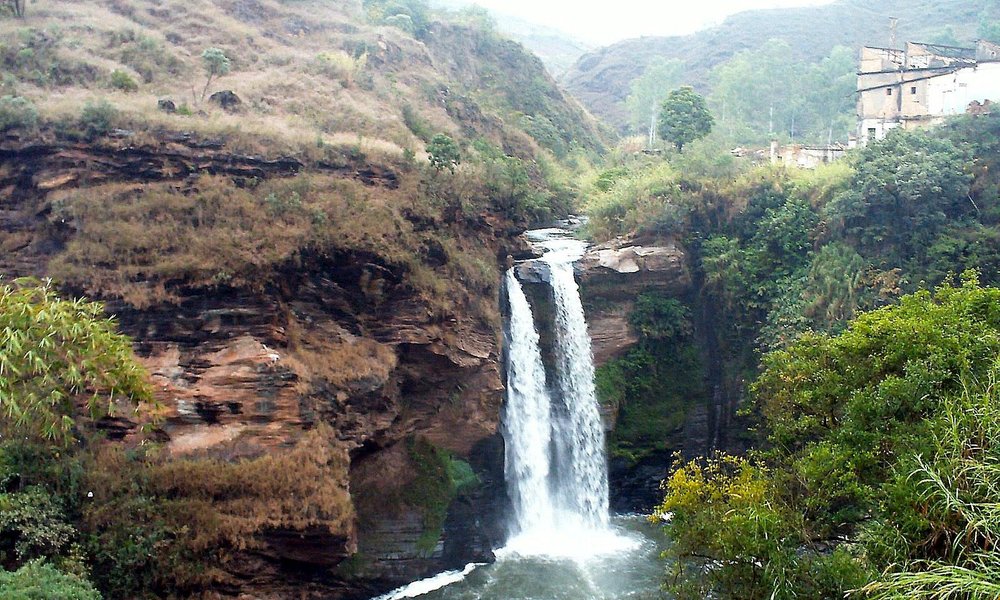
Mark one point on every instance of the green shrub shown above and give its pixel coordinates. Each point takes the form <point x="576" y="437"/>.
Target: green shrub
<point x="882" y="437"/>
<point x="32" y="526"/>
<point x="98" y="118"/>
<point x="416" y="124"/>
<point x="40" y="581"/>
<point x="279" y="204"/>
<point x="17" y="113"/>
<point x="120" y="80"/>
<point x="143" y="54"/>
<point x="36" y="56"/>
<point x="444" y="153"/>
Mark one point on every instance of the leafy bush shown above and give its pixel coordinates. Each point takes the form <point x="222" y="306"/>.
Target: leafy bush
<point x="880" y="436"/>
<point x="660" y="318"/>
<point x="32" y="526"/>
<point x="444" y="153"/>
<point x="121" y="80"/>
<point x="899" y="220"/>
<point x="17" y="113"/>
<point x="41" y="581"/>
<point x="412" y="16"/>
<point x="98" y="118"/>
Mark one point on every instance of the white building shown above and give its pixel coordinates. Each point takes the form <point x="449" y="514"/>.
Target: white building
<point x="922" y="85"/>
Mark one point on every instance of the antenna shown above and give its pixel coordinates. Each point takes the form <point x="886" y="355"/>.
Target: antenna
<point x="893" y="22"/>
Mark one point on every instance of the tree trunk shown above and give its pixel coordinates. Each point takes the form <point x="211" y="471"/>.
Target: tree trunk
<point x="207" y="83"/>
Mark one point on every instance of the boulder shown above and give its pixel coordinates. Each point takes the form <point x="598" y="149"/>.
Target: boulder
<point x="626" y="259"/>
<point x="226" y="99"/>
<point x="532" y="271"/>
<point x="166" y="105"/>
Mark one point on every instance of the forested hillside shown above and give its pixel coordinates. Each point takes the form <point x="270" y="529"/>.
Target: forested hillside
<point x="603" y="79"/>
<point x="558" y="50"/>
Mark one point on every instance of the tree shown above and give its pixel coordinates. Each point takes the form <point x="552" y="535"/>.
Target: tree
<point x="684" y="118"/>
<point x="829" y="97"/>
<point x="770" y="92"/>
<point x="216" y="64"/>
<point x="444" y="153"/>
<point x="16" y="7"/>
<point x="649" y="91"/>
<point x="753" y="91"/>
<point x="905" y="191"/>
<point x="55" y="353"/>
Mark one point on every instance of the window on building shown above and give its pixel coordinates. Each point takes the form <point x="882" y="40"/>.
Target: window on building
<point x="913" y="90"/>
<point x="871" y="132"/>
<point x="888" y="91"/>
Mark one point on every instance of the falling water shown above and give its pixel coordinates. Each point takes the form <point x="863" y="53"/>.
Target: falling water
<point x="556" y="468"/>
<point x="562" y="546"/>
<point x="527" y="419"/>
<point x="581" y="476"/>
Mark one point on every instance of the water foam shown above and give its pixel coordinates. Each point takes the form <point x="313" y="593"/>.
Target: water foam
<point x="425" y="586"/>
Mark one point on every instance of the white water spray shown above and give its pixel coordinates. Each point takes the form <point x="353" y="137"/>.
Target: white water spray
<point x="527" y="419"/>
<point x="556" y="468"/>
<point x="581" y="475"/>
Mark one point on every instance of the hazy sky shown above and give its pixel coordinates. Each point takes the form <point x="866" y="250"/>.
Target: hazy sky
<point x="606" y="21"/>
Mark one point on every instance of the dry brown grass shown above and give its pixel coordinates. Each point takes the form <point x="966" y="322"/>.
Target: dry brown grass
<point x="336" y="357"/>
<point x="140" y="241"/>
<point x="300" y="69"/>
<point x="198" y="511"/>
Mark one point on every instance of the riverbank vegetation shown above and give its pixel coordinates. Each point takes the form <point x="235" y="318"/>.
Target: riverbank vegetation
<point x="870" y="363"/>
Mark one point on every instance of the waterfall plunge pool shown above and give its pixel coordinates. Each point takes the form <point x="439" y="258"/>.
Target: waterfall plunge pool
<point x="622" y="564"/>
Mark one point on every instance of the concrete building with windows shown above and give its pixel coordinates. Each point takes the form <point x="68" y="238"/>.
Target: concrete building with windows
<point x="923" y="84"/>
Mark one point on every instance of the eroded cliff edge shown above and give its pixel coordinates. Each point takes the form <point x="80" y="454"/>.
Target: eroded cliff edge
<point x="390" y="338"/>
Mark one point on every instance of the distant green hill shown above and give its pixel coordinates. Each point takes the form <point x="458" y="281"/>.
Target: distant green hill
<point x="601" y="79"/>
<point x="558" y="50"/>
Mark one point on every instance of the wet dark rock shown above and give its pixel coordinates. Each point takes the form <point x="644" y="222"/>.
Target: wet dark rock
<point x="227" y="100"/>
<point x="166" y="105"/>
<point x="532" y="271"/>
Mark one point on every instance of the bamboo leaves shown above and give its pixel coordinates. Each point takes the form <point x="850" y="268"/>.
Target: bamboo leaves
<point x="57" y="354"/>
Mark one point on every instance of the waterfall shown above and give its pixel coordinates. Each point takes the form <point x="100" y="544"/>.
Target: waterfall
<point x="555" y="463"/>
<point x="527" y="419"/>
<point x="581" y="469"/>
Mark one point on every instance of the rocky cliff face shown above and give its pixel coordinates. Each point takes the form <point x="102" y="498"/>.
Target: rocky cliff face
<point x="613" y="276"/>
<point x="244" y="370"/>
